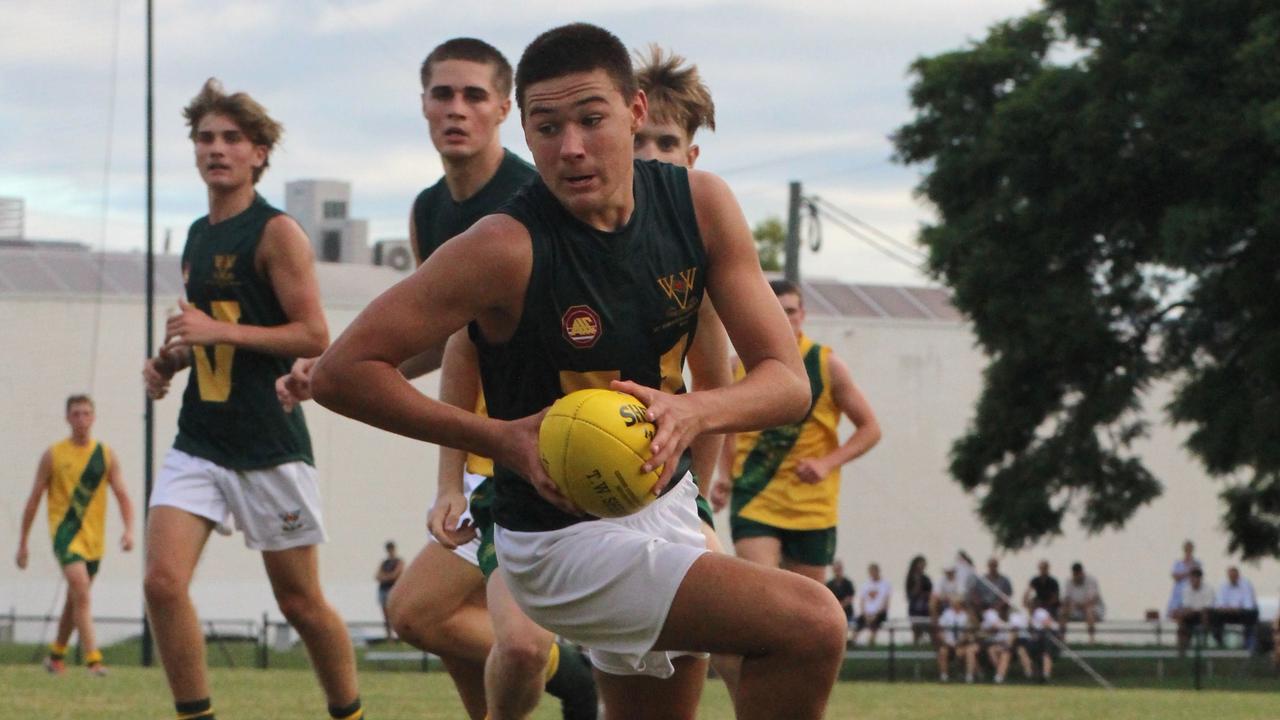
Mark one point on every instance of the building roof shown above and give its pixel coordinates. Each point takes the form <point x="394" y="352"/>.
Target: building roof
<point x="61" y="271"/>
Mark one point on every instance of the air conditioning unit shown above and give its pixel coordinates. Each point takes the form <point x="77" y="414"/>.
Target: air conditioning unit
<point x="395" y="254"/>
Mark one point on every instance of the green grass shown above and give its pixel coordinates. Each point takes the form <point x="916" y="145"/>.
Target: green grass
<point x="292" y="694"/>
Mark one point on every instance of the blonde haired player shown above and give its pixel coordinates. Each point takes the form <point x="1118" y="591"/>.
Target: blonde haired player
<point x="73" y="472"/>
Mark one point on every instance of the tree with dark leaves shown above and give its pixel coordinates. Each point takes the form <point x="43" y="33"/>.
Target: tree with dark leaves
<point x="1106" y="175"/>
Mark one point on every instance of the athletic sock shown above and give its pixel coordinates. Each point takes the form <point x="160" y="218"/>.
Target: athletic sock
<point x="347" y="712"/>
<point x="570" y="680"/>
<point x="194" y="710"/>
<point x="93" y="658"/>
<point x="56" y="651"/>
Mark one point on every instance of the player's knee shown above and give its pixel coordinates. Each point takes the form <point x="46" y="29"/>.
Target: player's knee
<point x="162" y="587"/>
<point x="821" y="623"/>
<point x="521" y="654"/>
<point x="302" y="611"/>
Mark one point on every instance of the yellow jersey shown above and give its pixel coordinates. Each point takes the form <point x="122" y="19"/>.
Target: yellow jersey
<point x="78" y="499"/>
<point x="766" y="488"/>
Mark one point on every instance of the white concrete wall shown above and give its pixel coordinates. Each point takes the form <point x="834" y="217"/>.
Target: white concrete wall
<point x="920" y="377"/>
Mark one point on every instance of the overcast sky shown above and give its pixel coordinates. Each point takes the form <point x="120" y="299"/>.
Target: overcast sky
<point x="805" y="90"/>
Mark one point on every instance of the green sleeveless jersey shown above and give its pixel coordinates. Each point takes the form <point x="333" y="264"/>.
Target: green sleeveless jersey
<point x="437" y="217"/>
<point x="600" y="306"/>
<point x="230" y="413"/>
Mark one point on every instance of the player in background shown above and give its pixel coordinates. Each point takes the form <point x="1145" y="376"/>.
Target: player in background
<point x="786" y="480"/>
<point x="72" y="472"/>
<point x="680" y="104"/>
<point x="252" y="306"/>
<point x="594" y="238"/>
<point x="441" y="602"/>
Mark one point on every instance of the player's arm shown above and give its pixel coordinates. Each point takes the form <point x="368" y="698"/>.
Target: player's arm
<point x="866" y="433"/>
<point x="284" y="256"/>
<point x="709" y="368"/>
<point x="481" y="275"/>
<point x="44" y="473"/>
<point x="459" y="387"/>
<point x="775" y="389"/>
<point x="115" y="479"/>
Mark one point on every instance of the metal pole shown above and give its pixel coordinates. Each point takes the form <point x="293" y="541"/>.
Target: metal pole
<point x="149" y="423"/>
<point x="791" y="250"/>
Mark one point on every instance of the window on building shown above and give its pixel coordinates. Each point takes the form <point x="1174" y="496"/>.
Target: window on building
<point x="331" y="246"/>
<point x="335" y="210"/>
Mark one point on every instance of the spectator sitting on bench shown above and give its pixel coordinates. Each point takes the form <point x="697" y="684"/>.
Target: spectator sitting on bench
<point x="1196" y="604"/>
<point x="874" y="605"/>
<point x="954" y="637"/>
<point x="1082" y="600"/>
<point x="1236" y="603"/>
<point x="1043" y="628"/>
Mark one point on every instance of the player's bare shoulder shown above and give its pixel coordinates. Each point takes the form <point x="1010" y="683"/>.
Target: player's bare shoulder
<point x="283" y="239"/>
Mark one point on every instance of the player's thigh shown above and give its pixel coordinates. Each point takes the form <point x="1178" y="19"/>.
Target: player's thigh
<point x="434" y="585"/>
<point x="763" y="550"/>
<point x="817" y="573"/>
<point x="729" y="605"/>
<point x="294" y="572"/>
<point x="641" y="697"/>
<point x="77" y="577"/>
<point x="511" y="627"/>
<point x="175" y="540"/>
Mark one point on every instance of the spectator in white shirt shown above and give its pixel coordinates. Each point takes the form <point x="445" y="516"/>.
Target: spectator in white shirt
<point x="1196" y="603"/>
<point x="873" y="604"/>
<point x="998" y="638"/>
<point x="1236" y="603"/>
<point x="955" y="639"/>
<point x="1082" y="600"/>
<point x="1043" y="628"/>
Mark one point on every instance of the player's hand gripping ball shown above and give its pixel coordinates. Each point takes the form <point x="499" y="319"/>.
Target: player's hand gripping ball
<point x="592" y="444"/>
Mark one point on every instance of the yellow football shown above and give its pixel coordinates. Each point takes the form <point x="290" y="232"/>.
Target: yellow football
<point x="592" y="443"/>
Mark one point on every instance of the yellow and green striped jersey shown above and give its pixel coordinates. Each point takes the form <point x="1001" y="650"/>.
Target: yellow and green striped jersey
<point x="765" y="486"/>
<point x="78" y="499"/>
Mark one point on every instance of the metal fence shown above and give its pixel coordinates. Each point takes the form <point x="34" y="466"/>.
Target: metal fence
<point x="1124" y="653"/>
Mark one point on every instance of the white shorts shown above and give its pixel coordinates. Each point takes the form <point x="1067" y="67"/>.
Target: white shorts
<point x="469" y="550"/>
<point x="276" y="508"/>
<point x="608" y="584"/>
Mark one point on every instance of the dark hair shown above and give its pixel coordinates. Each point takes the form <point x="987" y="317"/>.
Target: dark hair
<point x="77" y="399"/>
<point x="914" y="575"/>
<point x="471" y="50"/>
<point x="575" y="48"/>
<point x="784" y="287"/>
<point x="244" y="111"/>
<point x="1077" y="567"/>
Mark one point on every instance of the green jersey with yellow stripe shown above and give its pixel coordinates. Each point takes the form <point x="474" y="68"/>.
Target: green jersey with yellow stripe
<point x="78" y="499"/>
<point x="766" y="488"/>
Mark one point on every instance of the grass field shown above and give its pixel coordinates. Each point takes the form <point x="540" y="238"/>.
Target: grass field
<point x="132" y="693"/>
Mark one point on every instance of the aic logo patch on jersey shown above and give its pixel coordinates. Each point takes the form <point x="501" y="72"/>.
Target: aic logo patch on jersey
<point x="581" y="326"/>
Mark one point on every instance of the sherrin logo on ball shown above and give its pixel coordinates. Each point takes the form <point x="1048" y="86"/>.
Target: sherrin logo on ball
<point x="592" y="444"/>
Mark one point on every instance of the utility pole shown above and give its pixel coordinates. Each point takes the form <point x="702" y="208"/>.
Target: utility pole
<point x="791" y="251"/>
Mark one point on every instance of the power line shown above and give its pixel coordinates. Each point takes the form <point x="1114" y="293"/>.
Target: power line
<point x="914" y="264"/>
<point x="851" y="218"/>
<point x="106" y="197"/>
